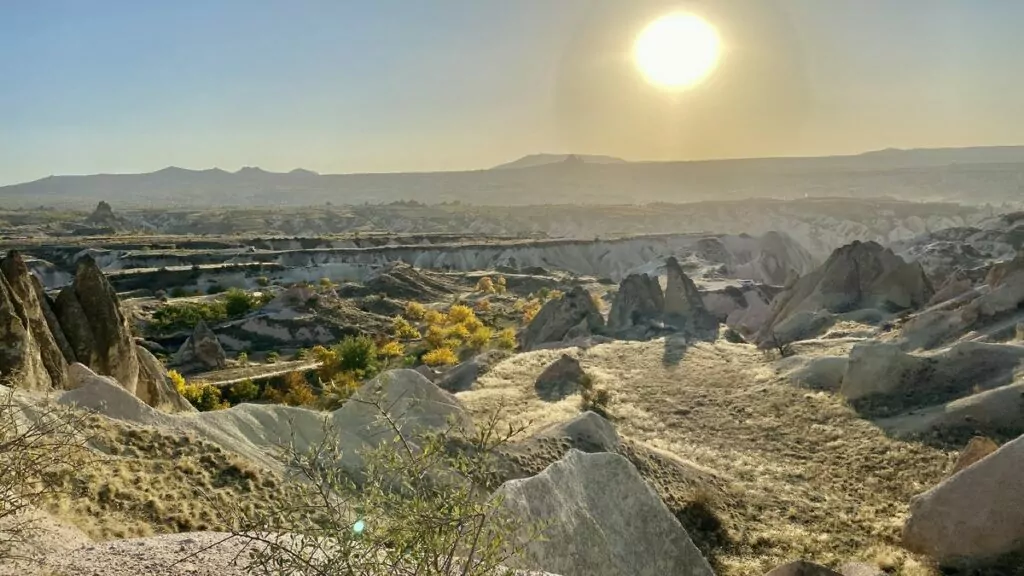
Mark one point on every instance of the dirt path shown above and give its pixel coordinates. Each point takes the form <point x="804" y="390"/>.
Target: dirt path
<point x="807" y="477"/>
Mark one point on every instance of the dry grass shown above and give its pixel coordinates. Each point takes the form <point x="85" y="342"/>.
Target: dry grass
<point x="141" y="481"/>
<point x="802" y="475"/>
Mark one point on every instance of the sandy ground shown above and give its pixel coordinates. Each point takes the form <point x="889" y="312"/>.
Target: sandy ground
<point x="807" y="477"/>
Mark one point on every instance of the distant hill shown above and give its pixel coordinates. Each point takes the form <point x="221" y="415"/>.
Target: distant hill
<point x="969" y="175"/>
<point x="533" y="160"/>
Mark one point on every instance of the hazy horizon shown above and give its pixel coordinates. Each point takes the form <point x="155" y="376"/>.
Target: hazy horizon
<point x="387" y="86"/>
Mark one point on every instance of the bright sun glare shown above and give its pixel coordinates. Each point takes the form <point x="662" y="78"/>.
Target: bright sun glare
<point x="677" y="51"/>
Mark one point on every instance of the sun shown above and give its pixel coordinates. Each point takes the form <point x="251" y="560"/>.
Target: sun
<point x="677" y="51"/>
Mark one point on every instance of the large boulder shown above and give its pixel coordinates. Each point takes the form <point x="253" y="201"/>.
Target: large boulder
<point x="98" y="330"/>
<point x="155" y="387"/>
<point x="638" y="303"/>
<point x="858" y="275"/>
<point x="974" y="515"/>
<point x="465" y="375"/>
<point x="202" y="350"/>
<point x="976" y="449"/>
<point x="560" y="379"/>
<point x="415" y="403"/>
<point x="683" y="304"/>
<point x="601" y="519"/>
<point x="20" y="358"/>
<point x="21" y="283"/>
<point x="557" y="317"/>
<point x="588" y="432"/>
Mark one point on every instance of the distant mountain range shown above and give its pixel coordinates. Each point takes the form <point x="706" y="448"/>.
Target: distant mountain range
<point x="968" y="175"/>
<point x="542" y="159"/>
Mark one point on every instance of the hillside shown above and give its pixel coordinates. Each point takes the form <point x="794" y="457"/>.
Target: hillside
<point x="973" y="175"/>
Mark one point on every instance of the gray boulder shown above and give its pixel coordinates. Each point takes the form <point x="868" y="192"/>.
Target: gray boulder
<point x="974" y="515"/>
<point x="462" y="377"/>
<point x="559" y="316"/>
<point x="588" y="432"/>
<point x="638" y="303"/>
<point x="683" y="305"/>
<point x="601" y="519"/>
<point x="560" y="379"/>
<point x="202" y="350"/>
<point x="98" y="330"/>
<point x="20" y="281"/>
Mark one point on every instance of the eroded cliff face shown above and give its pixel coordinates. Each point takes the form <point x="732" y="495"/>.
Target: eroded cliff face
<point x="767" y="259"/>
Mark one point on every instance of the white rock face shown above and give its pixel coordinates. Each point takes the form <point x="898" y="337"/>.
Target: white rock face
<point x="604" y="520"/>
<point x="975" y="514"/>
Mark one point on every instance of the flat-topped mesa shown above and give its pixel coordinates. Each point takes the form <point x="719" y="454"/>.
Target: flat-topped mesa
<point x="36" y="317"/>
<point x="97" y="329"/>
<point x="860" y="275"/>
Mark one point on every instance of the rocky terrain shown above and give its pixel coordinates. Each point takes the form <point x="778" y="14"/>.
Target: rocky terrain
<point x="697" y="403"/>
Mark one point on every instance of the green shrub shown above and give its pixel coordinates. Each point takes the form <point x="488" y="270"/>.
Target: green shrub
<point x="243" y="358"/>
<point x="186" y="315"/>
<point x="262" y="281"/>
<point x="178" y="292"/>
<point x="244" y="391"/>
<point x="357" y="355"/>
<point x="214" y="289"/>
<point x="238" y="302"/>
<point x="273" y="357"/>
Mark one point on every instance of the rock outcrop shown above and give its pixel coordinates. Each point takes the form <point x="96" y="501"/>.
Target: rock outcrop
<point x="21" y="283"/>
<point x="560" y="379"/>
<point x="639" y="303"/>
<point x="90" y="314"/>
<point x="683" y="304"/>
<point x="155" y="387"/>
<point x="589" y="432"/>
<point x="575" y="311"/>
<point x="202" y="350"/>
<point x="975" y="515"/>
<point x="20" y="358"/>
<point x="602" y="520"/>
<point x="976" y="449"/>
<point x="857" y="276"/>
<point x="463" y="376"/>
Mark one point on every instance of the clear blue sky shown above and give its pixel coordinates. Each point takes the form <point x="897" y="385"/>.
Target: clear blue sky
<point x="92" y="86"/>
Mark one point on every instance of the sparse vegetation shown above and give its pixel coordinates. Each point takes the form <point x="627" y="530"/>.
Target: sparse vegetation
<point x="242" y="391"/>
<point x="243" y="358"/>
<point x="295" y="391"/>
<point x="485" y="285"/>
<point x="390" y="350"/>
<point x="480" y="337"/>
<point x="415" y="311"/>
<point x="593" y="398"/>
<point x="402" y="329"/>
<point x="37" y="445"/>
<point x="273" y="356"/>
<point x="440" y="357"/>
<point x="507" y="339"/>
<point x="202" y="395"/>
<point x="426" y="527"/>
<point x="185" y="315"/>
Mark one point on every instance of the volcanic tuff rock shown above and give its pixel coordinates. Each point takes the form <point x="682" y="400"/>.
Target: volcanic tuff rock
<point x="560" y="379"/>
<point x="976" y="449"/>
<point x="98" y="330"/>
<point x="202" y="349"/>
<point x="639" y="302"/>
<point x="23" y="287"/>
<point x="683" y="304"/>
<point x="19" y="353"/>
<point x="973" y="515"/>
<point x="155" y="387"/>
<point x="574" y="310"/>
<point x="601" y="519"/>
<point x="858" y="275"/>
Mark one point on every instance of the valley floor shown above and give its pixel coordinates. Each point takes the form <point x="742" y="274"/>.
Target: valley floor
<point x="796" y="473"/>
